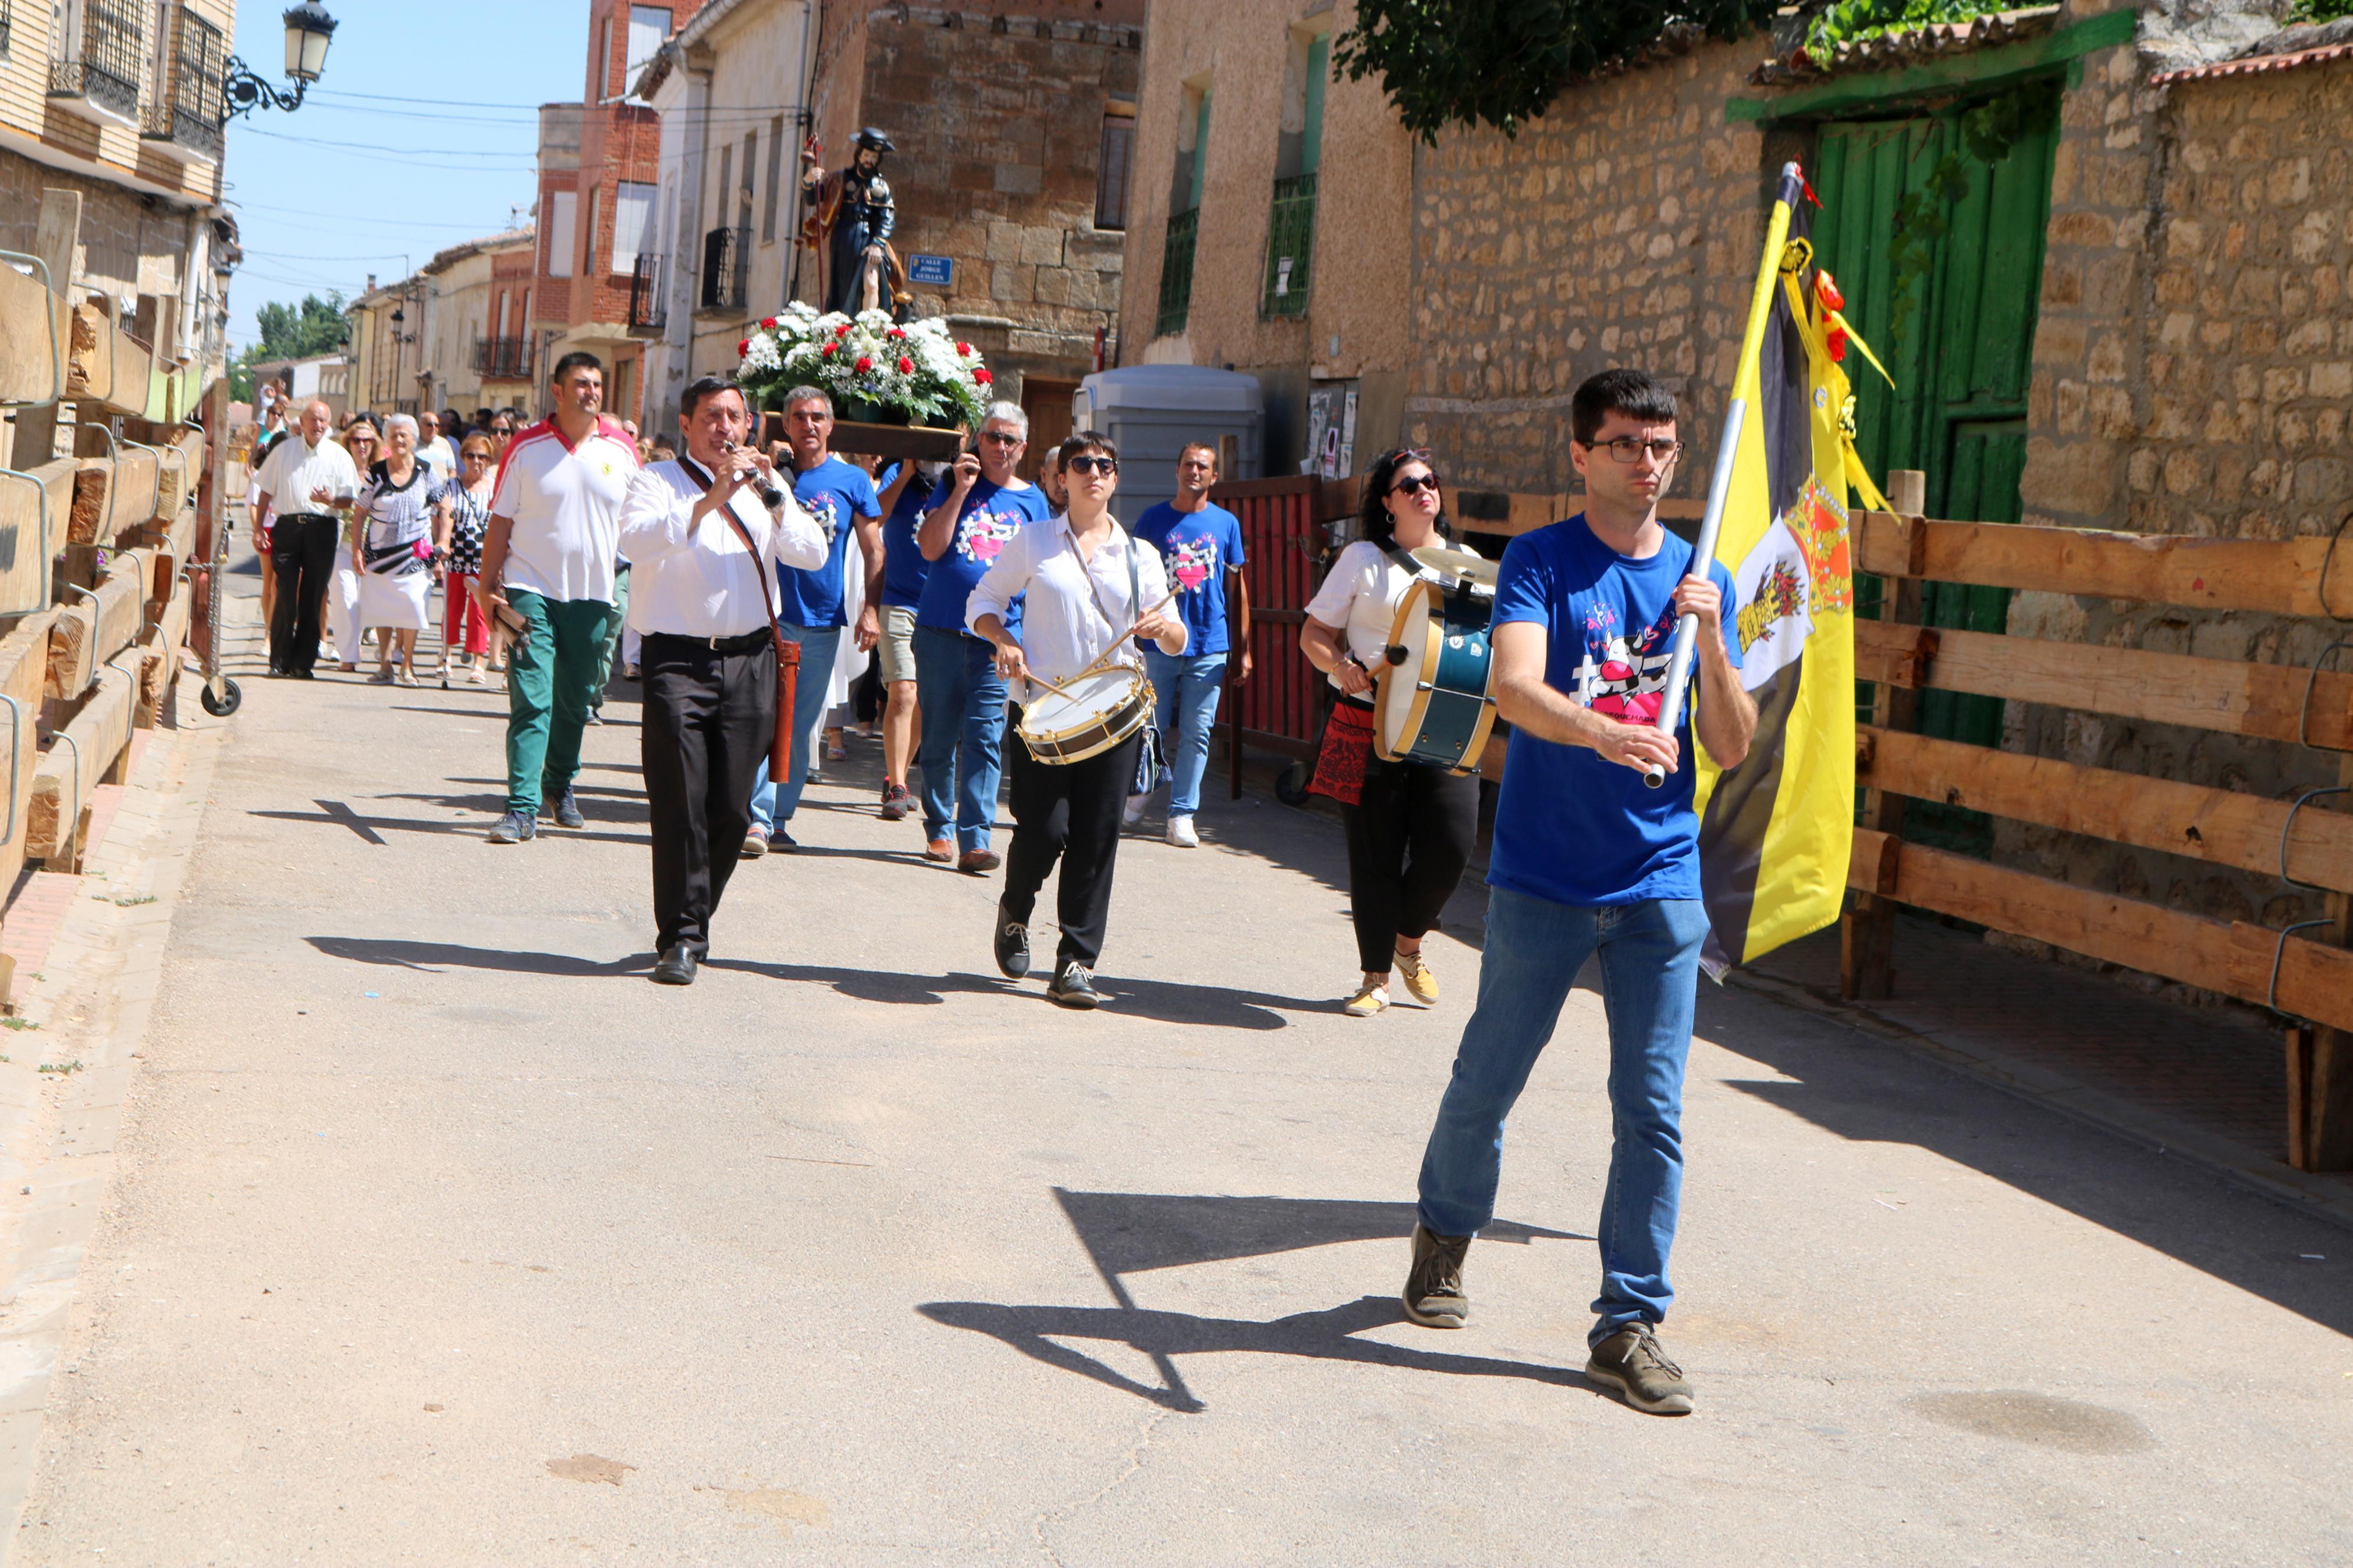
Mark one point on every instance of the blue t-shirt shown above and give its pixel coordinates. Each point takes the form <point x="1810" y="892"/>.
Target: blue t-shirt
<point x="1572" y="826"/>
<point x="989" y="518"/>
<point x="903" y="566"/>
<point x="1197" y="547"/>
<point x="833" y="493"/>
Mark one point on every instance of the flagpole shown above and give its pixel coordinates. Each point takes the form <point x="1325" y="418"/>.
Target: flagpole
<point x="1719" y="485"/>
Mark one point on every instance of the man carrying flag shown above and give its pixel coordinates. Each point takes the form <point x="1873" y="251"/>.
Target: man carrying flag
<point x="1586" y="858"/>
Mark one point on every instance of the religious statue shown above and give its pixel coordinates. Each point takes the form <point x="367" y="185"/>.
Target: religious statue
<point x="850" y="221"/>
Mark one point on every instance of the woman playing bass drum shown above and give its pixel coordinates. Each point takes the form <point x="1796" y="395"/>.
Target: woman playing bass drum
<point x="1410" y="824"/>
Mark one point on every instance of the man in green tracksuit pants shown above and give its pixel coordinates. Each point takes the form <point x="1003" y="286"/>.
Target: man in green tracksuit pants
<point x="548" y="560"/>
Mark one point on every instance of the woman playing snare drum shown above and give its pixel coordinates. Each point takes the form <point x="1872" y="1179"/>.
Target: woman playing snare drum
<point x="1088" y="586"/>
<point x="1410" y="824"/>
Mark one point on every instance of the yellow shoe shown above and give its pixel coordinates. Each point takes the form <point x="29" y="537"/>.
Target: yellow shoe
<point x="1419" y="983"/>
<point x="1371" y="997"/>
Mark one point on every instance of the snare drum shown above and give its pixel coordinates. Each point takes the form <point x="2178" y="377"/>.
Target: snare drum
<point x="1434" y="703"/>
<point x="1088" y="716"/>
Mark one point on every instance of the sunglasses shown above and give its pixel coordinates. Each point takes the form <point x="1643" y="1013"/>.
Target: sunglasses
<point x="1413" y="484"/>
<point x="1000" y="437"/>
<point x="1089" y="464"/>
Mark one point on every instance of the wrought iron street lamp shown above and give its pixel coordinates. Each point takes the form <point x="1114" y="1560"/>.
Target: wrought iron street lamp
<point x="309" y="31"/>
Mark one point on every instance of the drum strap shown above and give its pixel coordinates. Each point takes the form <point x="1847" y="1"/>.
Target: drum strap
<point x="1134" y="592"/>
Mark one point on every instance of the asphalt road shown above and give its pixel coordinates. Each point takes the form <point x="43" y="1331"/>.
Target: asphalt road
<point x="444" y="1237"/>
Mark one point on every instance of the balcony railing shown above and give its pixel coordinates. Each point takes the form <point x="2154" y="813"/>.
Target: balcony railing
<point x="504" y="359"/>
<point x="647" y="306"/>
<point x="185" y="119"/>
<point x="1290" y="246"/>
<point x="99" y="63"/>
<point x="1176" y="271"/>
<point x="726" y="258"/>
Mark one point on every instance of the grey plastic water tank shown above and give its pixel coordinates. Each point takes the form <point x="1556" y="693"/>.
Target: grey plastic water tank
<point x="1152" y="411"/>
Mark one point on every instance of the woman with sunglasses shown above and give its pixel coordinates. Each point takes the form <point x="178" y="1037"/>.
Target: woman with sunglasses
<point x="1410" y="826"/>
<point x="362" y="440"/>
<point x="461" y="514"/>
<point x="392" y="549"/>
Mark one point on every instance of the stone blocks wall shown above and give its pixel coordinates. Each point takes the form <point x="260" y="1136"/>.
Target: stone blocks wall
<point x="129" y="245"/>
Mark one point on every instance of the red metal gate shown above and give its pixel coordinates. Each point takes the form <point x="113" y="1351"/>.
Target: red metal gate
<point x="1280" y="707"/>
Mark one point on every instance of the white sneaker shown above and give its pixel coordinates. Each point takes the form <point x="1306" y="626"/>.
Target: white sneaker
<point x="1133" y="812"/>
<point x="1181" y="834"/>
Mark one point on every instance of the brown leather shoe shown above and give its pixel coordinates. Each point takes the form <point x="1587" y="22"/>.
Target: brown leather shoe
<point x="939" y="849"/>
<point x="979" y="862"/>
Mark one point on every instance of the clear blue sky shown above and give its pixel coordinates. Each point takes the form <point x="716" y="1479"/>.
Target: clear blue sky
<point x="367" y="177"/>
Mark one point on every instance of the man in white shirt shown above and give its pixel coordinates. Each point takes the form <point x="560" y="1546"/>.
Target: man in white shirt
<point x="704" y="604"/>
<point x="547" y="577"/>
<point x="433" y="448"/>
<point x="1089" y="587"/>
<point x="315" y="481"/>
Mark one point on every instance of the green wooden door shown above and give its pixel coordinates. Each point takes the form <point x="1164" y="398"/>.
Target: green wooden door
<point x="1962" y="355"/>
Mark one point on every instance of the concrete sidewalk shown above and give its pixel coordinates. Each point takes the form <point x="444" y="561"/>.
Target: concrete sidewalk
<point x="443" y="1237"/>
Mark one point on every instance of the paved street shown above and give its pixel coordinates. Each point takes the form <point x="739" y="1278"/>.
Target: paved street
<point x="441" y="1237"/>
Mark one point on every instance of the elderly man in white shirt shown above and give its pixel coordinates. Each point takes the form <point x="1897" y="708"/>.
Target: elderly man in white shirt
<point x="703" y="604"/>
<point x="1088" y="587"/>
<point x="307" y="480"/>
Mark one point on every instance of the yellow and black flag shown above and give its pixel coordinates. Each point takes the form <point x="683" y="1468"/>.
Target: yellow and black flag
<point x="1775" y="832"/>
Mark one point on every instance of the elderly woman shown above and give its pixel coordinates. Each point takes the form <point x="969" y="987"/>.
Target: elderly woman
<point x="461" y="514"/>
<point x="392" y="550"/>
<point x="366" y="445"/>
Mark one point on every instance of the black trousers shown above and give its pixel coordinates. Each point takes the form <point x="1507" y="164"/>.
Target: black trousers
<point x="1409" y="836"/>
<point x="302" y="551"/>
<point x="708" y="719"/>
<point x="1070" y="812"/>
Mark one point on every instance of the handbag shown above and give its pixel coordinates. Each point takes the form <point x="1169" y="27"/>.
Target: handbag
<point x="788" y="652"/>
<point x="1346" y="752"/>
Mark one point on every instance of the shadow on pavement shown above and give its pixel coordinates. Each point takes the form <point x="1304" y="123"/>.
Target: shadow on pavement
<point x="434" y="956"/>
<point x="1166" y="1002"/>
<point x="336" y="814"/>
<point x="1131" y="1232"/>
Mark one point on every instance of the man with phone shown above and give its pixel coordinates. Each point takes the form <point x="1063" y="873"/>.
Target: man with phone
<point x="315" y="475"/>
<point x="548" y="577"/>
<point x="979" y="506"/>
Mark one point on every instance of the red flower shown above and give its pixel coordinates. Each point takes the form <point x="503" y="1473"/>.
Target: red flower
<point x="906" y="366"/>
<point x="842" y="331"/>
<point x="864" y="363"/>
<point x="983" y="377"/>
<point x="896" y="332"/>
<point x="743" y="348"/>
<point x="828" y="351"/>
<point x="964" y="349"/>
<point x="769" y="322"/>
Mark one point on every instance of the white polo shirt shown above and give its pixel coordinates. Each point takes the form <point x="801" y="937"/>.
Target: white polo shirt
<point x="295" y="468"/>
<point x="564" y="503"/>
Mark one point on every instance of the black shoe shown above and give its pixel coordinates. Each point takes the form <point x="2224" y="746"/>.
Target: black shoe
<point x="1073" y="987"/>
<point x="514" y="828"/>
<point x="1012" y="944"/>
<point x="1433" y="1293"/>
<point x="675" y="967"/>
<point x="567" y="811"/>
<point x="782" y="842"/>
<point x="302" y="674"/>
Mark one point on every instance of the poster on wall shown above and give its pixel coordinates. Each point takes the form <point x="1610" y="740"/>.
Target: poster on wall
<point x="1347" y="438"/>
<point x="1319" y="421"/>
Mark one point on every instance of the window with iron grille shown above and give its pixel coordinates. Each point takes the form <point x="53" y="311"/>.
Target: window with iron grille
<point x="99" y="47"/>
<point x="186" y="108"/>
<point x="8" y="9"/>
<point x="1290" y="246"/>
<point x="1176" y="271"/>
<point x="1112" y="171"/>
<point x="726" y="256"/>
<point x="1299" y="154"/>
<point x="646" y="305"/>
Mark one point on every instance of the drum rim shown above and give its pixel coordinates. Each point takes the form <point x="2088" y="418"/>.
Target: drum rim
<point x="1137" y="685"/>
<point x="1109" y="731"/>
<point x="1422" y="589"/>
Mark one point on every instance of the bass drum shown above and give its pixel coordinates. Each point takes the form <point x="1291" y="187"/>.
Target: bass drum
<point x="1088" y="716"/>
<point x="1434" y="705"/>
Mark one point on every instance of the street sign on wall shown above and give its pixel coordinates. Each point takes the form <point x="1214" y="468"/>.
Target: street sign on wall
<point x="936" y="270"/>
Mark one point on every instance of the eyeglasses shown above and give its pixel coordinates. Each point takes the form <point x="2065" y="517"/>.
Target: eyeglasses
<point x="1087" y="463"/>
<point x="1001" y="437"/>
<point x="1414" y="483"/>
<point x="1627" y="448"/>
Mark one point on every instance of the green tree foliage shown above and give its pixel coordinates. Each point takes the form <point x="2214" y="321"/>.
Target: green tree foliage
<point x="2319" y="10"/>
<point x="314" y="327"/>
<point x="1852" y="21"/>
<point x="1474" y="62"/>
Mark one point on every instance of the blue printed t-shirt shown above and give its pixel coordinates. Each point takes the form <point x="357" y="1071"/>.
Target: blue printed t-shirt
<point x="1198" y="546"/>
<point x="833" y="493"/>
<point x="989" y="518"/>
<point x="903" y="566"/>
<point x="1572" y="826"/>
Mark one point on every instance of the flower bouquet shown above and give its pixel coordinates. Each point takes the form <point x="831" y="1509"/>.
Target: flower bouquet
<point x="898" y="389"/>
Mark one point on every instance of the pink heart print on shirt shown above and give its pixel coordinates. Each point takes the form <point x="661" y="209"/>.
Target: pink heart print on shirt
<point x="985" y="535"/>
<point x="1621" y="679"/>
<point x="1192" y="562"/>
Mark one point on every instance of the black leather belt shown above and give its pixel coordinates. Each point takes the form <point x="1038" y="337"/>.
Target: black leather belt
<point x="742" y="642"/>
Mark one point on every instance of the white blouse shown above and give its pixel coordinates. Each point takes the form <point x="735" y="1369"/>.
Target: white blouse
<point x="1360" y="596"/>
<point x="1066" y="621"/>
<point x="697" y="580"/>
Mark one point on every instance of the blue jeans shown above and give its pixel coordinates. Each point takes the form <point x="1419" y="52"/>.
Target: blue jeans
<point x="963" y="701"/>
<point x="1650" y="976"/>
<point x="772" y="802"/>
<point x="1185" y="694"/>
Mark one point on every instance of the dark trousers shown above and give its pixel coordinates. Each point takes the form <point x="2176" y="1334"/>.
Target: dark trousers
<point x="1067" y="811"/>
<point x="708" y="719"/>
<point x="303" y="553"/>
<point x="1409" y="836"/>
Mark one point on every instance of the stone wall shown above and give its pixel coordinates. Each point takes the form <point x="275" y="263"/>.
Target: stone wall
<point x="1619" y="228"/>
<point x="131" y="243"/>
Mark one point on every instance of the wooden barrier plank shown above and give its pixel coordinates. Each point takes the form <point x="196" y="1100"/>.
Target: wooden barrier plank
<point x="81" y="753"/>
<point x="33" y="509"/>
<point x="23" y="666"/>
<point x="108" y="366"/>
<point x="2316" y="981"/>
<point x="2280" y="576"/>
<point x="93" y="520"/>
<point x="184" y="463"/>
<point x="2258" y="700"/>
<point x="97" y="626"/>
<point x="137" y="486"/>
<point x="29" y="371"/>
<point x="162" y="644"/>
<point x="2211" y="825"/>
